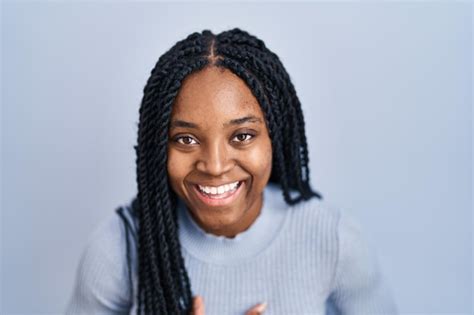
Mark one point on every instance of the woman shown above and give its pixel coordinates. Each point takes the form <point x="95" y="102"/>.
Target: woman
<point x="225" y="220"/>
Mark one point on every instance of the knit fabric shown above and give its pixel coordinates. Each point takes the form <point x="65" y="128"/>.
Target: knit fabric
<point x="308" y="258"/>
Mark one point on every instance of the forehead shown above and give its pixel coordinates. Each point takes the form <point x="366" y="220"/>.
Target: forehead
<point x="214" y="95"/>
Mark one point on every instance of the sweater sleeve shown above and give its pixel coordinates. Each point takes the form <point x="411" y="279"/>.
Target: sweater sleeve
<point x="359" y="286"/>
<point x="101" y="284"/>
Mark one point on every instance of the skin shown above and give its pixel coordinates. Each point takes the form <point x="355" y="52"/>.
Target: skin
<point x="215" y="152"/>
<point x="211" y="151"/>
<point x="199" y="309"/>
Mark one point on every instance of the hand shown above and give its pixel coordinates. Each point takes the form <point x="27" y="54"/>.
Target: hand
<point x="198" y="307"/>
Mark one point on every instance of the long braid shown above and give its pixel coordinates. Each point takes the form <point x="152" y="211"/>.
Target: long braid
<point x="301" y="124"/>
<point x="163" y="282"/>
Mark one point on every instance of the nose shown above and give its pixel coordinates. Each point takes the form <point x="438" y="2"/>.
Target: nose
<point x="215" y="160"/>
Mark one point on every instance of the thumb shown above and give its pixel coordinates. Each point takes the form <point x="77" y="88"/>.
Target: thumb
<point x="198" y="305"/>
<point x="257" y="309"/>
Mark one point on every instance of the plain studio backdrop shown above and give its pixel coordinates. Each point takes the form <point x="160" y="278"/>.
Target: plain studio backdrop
<point x="385" y="88"/>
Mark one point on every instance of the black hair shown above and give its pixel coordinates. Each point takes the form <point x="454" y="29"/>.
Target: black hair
<point x="163" y="282"/>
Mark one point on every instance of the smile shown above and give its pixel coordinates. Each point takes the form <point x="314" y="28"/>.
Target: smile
<point x="220" y="195"/>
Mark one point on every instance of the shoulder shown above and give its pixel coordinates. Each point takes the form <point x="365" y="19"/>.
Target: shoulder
<point x="318" y="214"/>
<point x="107" y="240"/>
<point x="314" y="212"/>
<point x="340" y="227"/>
<point x="103" y="257"/>
<point x="358" y="284"/>
<point x="337" y="220"/>
<point x="333" y="228"/>
<point x="337" y="234"/>
<point x="102" y="272"/>
<point x="313" y="225"/>
<point x="357" y="260"/>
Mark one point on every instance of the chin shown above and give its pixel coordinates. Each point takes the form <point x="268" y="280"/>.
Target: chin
<point x="218" y="222"/>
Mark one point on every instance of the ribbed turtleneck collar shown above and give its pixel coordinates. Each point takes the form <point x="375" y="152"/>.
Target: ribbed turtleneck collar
<point x="222" y="250"/>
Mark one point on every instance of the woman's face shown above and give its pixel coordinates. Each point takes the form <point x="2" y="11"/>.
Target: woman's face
<point x="219" y="151"/>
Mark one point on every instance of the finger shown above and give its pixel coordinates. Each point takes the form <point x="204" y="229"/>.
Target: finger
<point x="257" y="309"/>
<point x="198" y="305"/>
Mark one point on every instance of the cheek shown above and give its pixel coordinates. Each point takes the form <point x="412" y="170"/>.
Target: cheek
<point x="178" y="167"/>
<point x="260" y="159"/>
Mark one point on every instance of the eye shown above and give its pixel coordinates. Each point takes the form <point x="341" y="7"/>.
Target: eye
<point x="186" y="140"/>
<point x="243" y="137"/>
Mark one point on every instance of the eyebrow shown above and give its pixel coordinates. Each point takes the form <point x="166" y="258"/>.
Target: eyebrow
<point x="239" y="121"/>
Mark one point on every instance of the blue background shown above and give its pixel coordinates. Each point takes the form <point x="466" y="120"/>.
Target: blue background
<point x="387" y="93"/>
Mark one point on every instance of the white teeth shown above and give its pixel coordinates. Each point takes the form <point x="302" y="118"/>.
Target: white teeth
<point x="218" y="190"/>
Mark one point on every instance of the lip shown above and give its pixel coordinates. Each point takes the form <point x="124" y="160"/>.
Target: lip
<point x="219" y="202"/>
<point x="217" y="185"/>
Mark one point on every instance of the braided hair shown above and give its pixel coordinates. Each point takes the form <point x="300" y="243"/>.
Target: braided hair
<point x="163" y="282"/>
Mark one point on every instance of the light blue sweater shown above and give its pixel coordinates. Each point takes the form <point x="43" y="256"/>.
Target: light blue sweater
<point x="304" y="259"/>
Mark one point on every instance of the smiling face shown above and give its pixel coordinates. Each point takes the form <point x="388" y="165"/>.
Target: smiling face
<point x="217" y="139"/>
